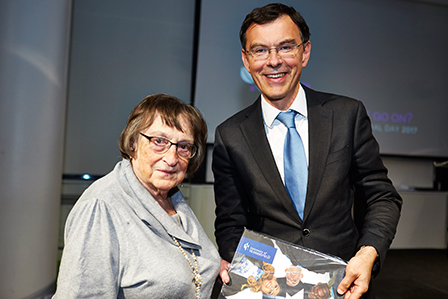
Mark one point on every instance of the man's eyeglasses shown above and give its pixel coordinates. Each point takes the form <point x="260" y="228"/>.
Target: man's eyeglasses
<point x="161" y="145"/>
<point x="286" y="50"/>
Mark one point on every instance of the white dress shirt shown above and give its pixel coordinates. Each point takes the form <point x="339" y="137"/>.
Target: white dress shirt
<point x="276" y="130"/>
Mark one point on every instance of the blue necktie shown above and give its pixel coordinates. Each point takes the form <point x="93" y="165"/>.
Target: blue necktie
<point x="295" y="164"/>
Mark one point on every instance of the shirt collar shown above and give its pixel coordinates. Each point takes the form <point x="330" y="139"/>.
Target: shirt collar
<point x="270" y="112"/>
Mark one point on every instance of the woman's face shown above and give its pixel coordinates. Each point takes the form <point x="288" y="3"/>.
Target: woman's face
<point x="270" y="286"/>
<point x="159" y="173"/>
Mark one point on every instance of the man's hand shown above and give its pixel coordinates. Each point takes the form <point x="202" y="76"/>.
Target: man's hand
<point x="358" y="273"/>
<point x="224" y="271"/>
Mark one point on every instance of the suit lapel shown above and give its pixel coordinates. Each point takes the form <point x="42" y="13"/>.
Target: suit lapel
<point x="255" y="135"/>
<point x="320" y="121"/>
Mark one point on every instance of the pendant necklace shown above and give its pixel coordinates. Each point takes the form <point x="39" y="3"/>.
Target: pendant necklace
<point x="197" y="276"/>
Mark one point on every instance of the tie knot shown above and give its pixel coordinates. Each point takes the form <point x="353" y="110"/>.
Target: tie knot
<point x="287" y="118"/>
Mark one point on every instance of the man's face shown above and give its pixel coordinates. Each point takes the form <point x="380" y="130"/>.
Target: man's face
<point x="276" y="77"/>
<point x="293" y="275"/>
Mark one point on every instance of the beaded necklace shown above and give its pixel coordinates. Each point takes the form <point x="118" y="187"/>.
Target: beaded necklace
<point x="197" y="276"/>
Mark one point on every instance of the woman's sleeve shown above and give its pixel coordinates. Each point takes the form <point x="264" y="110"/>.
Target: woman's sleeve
<point x="90" y="260"/>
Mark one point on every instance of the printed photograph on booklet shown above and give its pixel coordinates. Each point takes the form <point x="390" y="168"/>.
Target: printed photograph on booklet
<point x="266" y="267"/>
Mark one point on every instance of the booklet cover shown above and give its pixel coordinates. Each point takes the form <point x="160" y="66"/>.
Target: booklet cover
<point x="266" y="267"/>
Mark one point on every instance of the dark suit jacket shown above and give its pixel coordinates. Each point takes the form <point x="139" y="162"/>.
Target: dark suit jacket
<point x="345" y="170"/>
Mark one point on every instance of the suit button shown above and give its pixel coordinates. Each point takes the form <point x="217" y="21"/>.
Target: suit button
<point x="306" y="232"/>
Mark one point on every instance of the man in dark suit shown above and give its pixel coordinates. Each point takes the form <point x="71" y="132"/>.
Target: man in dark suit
<point x="345" y="173"/>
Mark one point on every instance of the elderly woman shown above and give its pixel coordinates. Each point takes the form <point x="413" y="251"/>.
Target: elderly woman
<point x="131" y="234"/>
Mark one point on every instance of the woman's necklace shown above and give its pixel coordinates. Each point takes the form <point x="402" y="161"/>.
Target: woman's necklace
<point x="197" y="276"/>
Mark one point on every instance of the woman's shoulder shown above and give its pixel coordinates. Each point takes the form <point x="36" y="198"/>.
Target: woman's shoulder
<point x="99" y="189"/>
<point x="100" y="199"/>
<point x="105" y="189"/>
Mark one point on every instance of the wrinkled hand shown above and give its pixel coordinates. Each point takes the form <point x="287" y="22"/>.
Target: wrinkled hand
<point x="224" y="271"/>
<point x="358" y="273"/>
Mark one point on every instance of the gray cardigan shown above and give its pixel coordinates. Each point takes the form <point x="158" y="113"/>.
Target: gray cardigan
<point x="118" y="244"/>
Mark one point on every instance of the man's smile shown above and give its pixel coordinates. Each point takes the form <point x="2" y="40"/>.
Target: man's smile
<point x="275" y="76"/>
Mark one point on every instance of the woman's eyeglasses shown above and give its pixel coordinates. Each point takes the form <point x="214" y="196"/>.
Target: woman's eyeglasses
<point x="161" y="145"/>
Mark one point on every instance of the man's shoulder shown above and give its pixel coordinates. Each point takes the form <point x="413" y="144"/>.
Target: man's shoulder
<point x="241" y="115"/>
<point x="315" y="97"/>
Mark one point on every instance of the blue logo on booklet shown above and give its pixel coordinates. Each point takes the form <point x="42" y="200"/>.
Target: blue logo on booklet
<point x="257" y="250"/>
